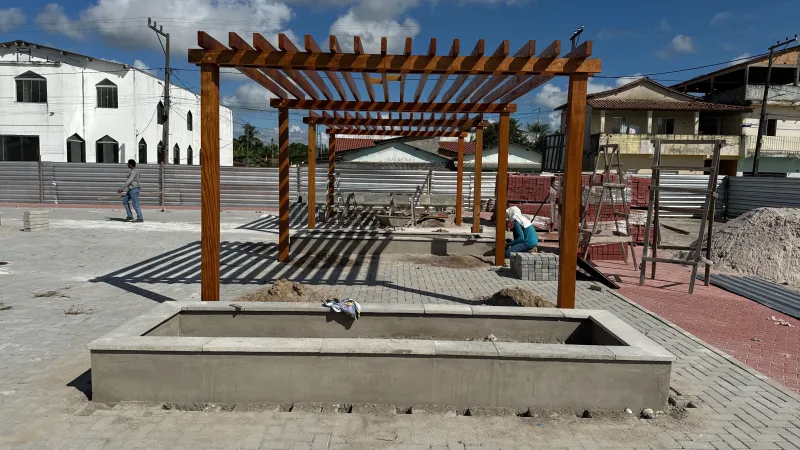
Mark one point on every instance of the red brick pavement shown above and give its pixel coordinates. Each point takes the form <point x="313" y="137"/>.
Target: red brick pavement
<point x="724" y="320"/>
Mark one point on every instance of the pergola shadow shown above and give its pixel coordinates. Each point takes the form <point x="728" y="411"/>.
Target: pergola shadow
<point x="298" y="219"/>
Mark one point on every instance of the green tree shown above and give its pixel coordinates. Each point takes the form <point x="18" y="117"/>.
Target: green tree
<point x="247" y="148"/>
<point x="298" y="153"/>
<point x="540" y="131"/>
<point x="491" y="135"/>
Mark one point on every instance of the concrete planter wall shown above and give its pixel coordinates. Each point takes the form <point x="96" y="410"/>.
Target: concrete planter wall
<point x="216" y="353"/>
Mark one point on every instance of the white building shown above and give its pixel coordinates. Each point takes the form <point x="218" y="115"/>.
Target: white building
<point x="64" y="107"/>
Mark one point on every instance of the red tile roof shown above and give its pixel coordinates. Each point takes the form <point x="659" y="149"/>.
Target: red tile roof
<point x="452" y="147"/>
<point x="346" y="145"/>
<point x="657" y="105"/>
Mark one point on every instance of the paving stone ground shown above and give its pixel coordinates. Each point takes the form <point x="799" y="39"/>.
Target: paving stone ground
<point x="111" y="272"/>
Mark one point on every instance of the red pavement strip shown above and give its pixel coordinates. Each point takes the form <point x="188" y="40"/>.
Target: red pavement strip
<point x="724" y="320"/>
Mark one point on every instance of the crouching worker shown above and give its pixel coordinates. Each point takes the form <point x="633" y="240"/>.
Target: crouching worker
<point x="525" y="237"/>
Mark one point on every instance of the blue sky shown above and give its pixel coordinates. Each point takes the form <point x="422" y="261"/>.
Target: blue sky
<point x="631" y="37"/>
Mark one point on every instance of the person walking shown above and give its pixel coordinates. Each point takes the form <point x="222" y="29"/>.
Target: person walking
<point x="525" y="237"/>
<point x="132" y="196"/>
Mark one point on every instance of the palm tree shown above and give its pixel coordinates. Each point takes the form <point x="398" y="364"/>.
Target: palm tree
<point x="538" y="128"/>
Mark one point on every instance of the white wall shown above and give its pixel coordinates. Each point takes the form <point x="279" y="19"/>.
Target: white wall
<point x="71" y="108"/>
<point x="516" y="155"/>
<point x="788" y="120"/>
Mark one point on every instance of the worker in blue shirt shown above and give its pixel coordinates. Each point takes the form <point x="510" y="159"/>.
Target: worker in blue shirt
<point x="525" y="237"/>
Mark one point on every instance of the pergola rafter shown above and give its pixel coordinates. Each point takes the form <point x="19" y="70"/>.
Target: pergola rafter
<point x="466" y="88"/>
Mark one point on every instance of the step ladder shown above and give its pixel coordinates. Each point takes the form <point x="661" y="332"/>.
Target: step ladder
<point x="700" y="254"/>
<point x="608" y="155"/>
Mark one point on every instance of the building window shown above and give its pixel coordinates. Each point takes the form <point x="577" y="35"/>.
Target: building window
<point x="160" y="152"/>
<point x="76" y="149"/>
<point x="19" y="148"/>
<point x="160" y="113"/>
<point x="189" y="121"/>
<point x="142" y="151"/>
<point x="107" y="150"/>
<point x="31" y="88"/>
<point x="772" y="127"/>
<point x="665" y="126"/>
<point x="619" y="125"/>
<point x="176" y="154"/>
<point x="190" y="156"/>
<point x="106" y="94"/>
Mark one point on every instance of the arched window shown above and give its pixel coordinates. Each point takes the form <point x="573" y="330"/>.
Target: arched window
<point x="106" y="94"/>
<point x="176" y="154"/>
<point x="189" y="121"/>
<point x="31" y="88"/>
<point x="76" y="149"/>
<point x="160" y="113"/>
<point x="190" y="156"/>
<point x="160" y="152"/>
<point x="142" y="151"/>
<point x="107" y="150"/>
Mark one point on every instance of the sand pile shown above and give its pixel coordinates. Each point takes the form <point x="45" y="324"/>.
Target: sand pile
<point x="286" y="291"/>
<point x="517" y="296"/>
<point x="764" y="242"/>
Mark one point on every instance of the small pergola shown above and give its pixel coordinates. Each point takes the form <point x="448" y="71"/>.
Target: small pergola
<point x="480" y="84"/>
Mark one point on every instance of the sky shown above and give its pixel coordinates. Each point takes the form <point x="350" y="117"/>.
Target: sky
<point x="633" y="38"/>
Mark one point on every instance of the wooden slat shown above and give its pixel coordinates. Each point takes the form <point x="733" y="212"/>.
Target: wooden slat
<point x="385" y="80"/>
<point x="552" y="51"/>
<point x="501" y="52"/>
<point x="261" y="43"/>
<point x="461" y="79"/>
<point x="526" y="51"/>
<point x="483" y="108"/>
<point x="437" y="88"/>
<point x="406" y="52"/>
<point x="358" y="48"/>
<point x="286" y="44"/>
<point x="236" y="42"/>
<point x="348" y="77"/>
<point x="462" y="122"/>
<point x="424" y="78"/>
<point x="412" y="133"/>
<point x="209" y="184"/>
<point x="333" y="77"/>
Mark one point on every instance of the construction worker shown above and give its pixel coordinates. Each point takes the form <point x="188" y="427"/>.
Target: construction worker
<point x="525" y="237"/>
<point x="132" y="196"/>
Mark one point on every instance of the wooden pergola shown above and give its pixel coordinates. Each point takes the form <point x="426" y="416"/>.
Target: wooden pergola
<point x="479" y="84"/>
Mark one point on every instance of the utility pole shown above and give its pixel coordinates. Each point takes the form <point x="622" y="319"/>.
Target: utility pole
<point x="762" y="121"/>
<point x="165" y="137"/>
<point x="575" y="36"/>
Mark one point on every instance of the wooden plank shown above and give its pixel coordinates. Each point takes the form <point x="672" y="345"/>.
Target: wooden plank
<point x="476" y="194"/>
<point x="460" y="181"/>
<point x="571" y="199"/>
<point x="552" y="51"/>
<point x="398" y="132"/>
<point x="331" y="173"/>
<point x="348" y="77"/>
<point x="359" y="50"/>
<point x="385" y="81"/>
<point x="424" y="78"/>
<point x="578" y="54"/>
<point x="502" y="189"/>
<point x="236" y="42"/>
<point x="330" y="105"/>
<point x="285" y="44"/>
<point x="463" y="122"/>
<point x="209" y="184"/>
<point x="261" y="43"/>
<point x="526" y="51"/>
<point x="283" y="185"/>
<point x="437" y="88"/>
<point x="461" y="79"/>
<point x="311" y="46"/>
<point x="501" y="52"/>
<point x="407" y="52"/>
<point x="312" y="175"/>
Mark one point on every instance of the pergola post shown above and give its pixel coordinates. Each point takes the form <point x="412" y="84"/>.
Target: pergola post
<point x="460" y="181"/>
<point x="209" y="183"/>
<point x="331" y="173"/>
<point x="502" y="189"/>
<point x="476" y="195"/>
<point x="312" y="175"/>
<point x="571" y="185"/>
<point x="283" y="185"/>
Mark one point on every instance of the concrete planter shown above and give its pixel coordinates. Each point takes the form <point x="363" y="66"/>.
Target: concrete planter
<point x="421" y="241"/>
<point x="396" y="354"/>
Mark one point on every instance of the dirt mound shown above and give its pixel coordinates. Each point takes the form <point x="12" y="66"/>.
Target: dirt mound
<point x="285" y="291"/>
<point x="517" y="296"/>
<point x="764" y="242"/>
<point x="323" y="260"/>
<point x="449" y="261"/>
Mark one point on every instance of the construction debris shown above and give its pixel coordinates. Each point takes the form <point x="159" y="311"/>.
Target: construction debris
<point x="283" y="290"/>
<point x="517" y="296"/>
<point x="781" y="322"/>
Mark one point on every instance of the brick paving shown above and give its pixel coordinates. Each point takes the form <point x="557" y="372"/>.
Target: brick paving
<point x="112" y="272"/>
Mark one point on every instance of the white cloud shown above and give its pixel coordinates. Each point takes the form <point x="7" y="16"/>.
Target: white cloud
<point x="250" y="95"/>
<point x="11" y="18"/>
<point x="296" y="129"/>
<point x="554" y="120"/>
<point x="625" y="80"/>
<point x="371" y="30"/>
<point x="681" y="43"/>
<point x="552" y="96"/>
<point x="142" y="66"/>
<point x="740" y="59"/>
<point x="53" y="20"/>
<point x="720" y="17"/>
<point x="114" y="23"/>
<point x="664" y="25"/>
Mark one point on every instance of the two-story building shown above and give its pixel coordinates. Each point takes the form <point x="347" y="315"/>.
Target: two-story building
<point x="635" y="114"/>
<point x="743" y="84"/>
<point x="63" y="107"/>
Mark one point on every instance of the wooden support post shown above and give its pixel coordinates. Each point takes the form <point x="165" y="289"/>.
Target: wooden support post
<point x="460" y="181"/>
<point x="209" y="183"/>
<point x="312" y="175"/>
<point x="571" y="200"/>
<point x="283" y="185"/>
<point x="331" y="173"/>
<point x="502" y="189"/>
<point x="476" y="195"/>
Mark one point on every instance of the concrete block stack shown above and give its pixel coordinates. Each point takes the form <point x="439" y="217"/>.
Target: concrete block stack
<point x="36" y="220"/>
<point x="535" y="266"/>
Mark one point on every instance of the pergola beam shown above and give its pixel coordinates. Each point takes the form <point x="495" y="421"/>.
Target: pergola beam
<point x="359" y="50"/>
<point x="412" y="133"/>
<point x="526" y="51"/>
<point x="552" y="50"/>
<point x="348" y="77"/>
<point x="461" y="79"/>
<point x="342" y="122"/>
<point x="437" y="88"/>
<point x="263" y="45"/>
<point x="477" y="108"/>
<point x="501" y="52"/>
<point x="312" y="46"/>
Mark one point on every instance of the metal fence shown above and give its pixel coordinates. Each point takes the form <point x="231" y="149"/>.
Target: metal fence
<point x="689" y="199"/>
<point x="745" y="193"/>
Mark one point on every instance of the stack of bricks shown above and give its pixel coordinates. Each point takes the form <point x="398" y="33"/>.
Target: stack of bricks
<point x="606" y="212"/>
<point x="528" y="188"/>
<point x="640" y="191"/>
<point x="637" y="232"/>
<point x="36" y="220"/>
<point x="535" y="266"/>
<point x="603" y="252"/>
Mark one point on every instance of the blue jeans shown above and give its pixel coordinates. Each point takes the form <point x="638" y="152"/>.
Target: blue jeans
<point x="518" y="248"/>
<point x="133" y="197"/>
